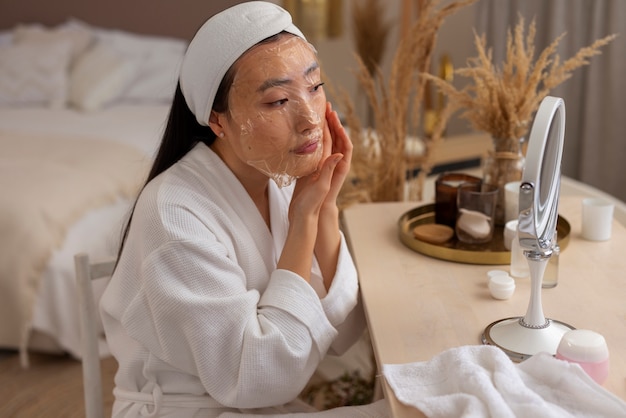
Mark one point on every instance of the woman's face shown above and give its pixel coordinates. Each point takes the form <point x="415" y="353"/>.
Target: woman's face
<point x="277" y="109"/>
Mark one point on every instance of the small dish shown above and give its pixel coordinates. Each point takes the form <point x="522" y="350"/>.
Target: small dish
<point x="433" y="233"/>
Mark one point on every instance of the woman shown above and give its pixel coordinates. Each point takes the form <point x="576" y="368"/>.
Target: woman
<point x="233" y="279"/>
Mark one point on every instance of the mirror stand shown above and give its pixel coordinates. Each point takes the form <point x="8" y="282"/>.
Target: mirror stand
<point x="522" y="336"/>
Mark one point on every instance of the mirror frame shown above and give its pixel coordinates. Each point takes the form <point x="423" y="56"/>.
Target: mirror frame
<point x="541" y="179"/>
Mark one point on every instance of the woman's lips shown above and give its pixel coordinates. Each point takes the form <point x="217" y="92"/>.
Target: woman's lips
<point x="308" y="148"/>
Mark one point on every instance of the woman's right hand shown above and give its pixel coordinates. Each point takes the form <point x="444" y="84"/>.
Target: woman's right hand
<point x="309" y="195"/>
<point x="311" y="191"/>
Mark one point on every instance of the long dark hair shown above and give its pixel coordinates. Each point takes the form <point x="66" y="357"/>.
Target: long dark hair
<point x="182" y="132"/>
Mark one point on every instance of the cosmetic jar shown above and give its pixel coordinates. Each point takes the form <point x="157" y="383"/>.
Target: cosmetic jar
<point x="588" y="349"/>
<point x="501" y="286"/>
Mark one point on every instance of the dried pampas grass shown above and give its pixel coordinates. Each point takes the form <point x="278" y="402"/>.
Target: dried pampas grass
<point x="379" y="162"/>
<point x="502" y="101"/>
<point x="370" y="32"/>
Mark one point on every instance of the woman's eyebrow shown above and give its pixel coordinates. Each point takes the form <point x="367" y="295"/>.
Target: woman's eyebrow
<point x="312" y="68"/>
<point x="276" y="82"/>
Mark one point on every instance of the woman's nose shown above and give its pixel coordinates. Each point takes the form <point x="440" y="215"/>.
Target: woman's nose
<point x="306" y="116"/>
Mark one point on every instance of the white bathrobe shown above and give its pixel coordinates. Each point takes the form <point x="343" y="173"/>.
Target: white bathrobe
<point x="197" y="314"/>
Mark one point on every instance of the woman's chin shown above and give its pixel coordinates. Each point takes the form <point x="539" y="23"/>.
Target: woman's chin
<point x="306" y="165"/>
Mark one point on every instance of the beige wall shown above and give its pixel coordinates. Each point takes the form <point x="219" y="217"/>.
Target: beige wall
<point x="179" y="18"/>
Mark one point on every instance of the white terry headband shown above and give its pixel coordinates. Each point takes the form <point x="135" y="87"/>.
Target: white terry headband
<point x="220" y="42"/>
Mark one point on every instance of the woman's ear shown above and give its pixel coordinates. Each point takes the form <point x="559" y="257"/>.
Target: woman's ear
<point x="215" y="123"/>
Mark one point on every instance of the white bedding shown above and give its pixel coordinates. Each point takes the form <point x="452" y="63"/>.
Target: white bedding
<point x="137" y="125"/>
<point x="55" y="315"/>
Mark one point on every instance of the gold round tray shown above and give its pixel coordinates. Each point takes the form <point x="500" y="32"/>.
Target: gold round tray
<point x="492" y="252"/>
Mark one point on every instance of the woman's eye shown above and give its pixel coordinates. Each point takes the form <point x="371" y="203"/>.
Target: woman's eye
<point x="317" y="86"/>
<point x="279" y="102"/>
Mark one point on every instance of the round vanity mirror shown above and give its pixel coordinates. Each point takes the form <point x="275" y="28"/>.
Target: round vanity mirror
<point x="523" y="336"/>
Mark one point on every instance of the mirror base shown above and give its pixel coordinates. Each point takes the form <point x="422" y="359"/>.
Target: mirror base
<point x="520" y="342"/>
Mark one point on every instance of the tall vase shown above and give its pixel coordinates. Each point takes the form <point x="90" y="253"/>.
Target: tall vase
<point x="503" y="164"/>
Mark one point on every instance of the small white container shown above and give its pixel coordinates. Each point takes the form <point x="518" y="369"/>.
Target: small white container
<point x="597" y="219"/>
<point x="501" y="286"/>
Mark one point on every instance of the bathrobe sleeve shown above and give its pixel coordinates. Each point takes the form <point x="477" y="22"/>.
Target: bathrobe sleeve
<point x="341" y="305"/>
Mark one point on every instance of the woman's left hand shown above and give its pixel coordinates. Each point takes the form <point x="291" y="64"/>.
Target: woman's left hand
<point x="328" y="240"/>
<point x="336" y="141"/>
<point x="319" y="190"/>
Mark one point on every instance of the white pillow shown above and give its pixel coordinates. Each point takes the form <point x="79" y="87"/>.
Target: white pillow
<point x="157" y="59"/>
<point x="34" y="73"/>
<point x="98" y="77"/>
<point x="80" y="38"/>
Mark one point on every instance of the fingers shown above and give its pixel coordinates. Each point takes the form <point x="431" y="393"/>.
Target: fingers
<point x="327" y="144"/>
<point x="325" y="174"/>
<point x="340" y="139"/>
<point x="327" y="139"/>
<point x="333" y="160"/>
<point x="313" y="190"/>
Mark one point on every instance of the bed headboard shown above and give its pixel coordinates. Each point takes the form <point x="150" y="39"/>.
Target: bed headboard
<point x="177" y="18"/>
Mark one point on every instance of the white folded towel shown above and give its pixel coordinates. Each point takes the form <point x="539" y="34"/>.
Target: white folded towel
<point x="481" y="381"/>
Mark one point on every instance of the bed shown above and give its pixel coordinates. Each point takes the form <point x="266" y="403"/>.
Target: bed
<point x="85" y="89"/>
<point x="82" y="109"/>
